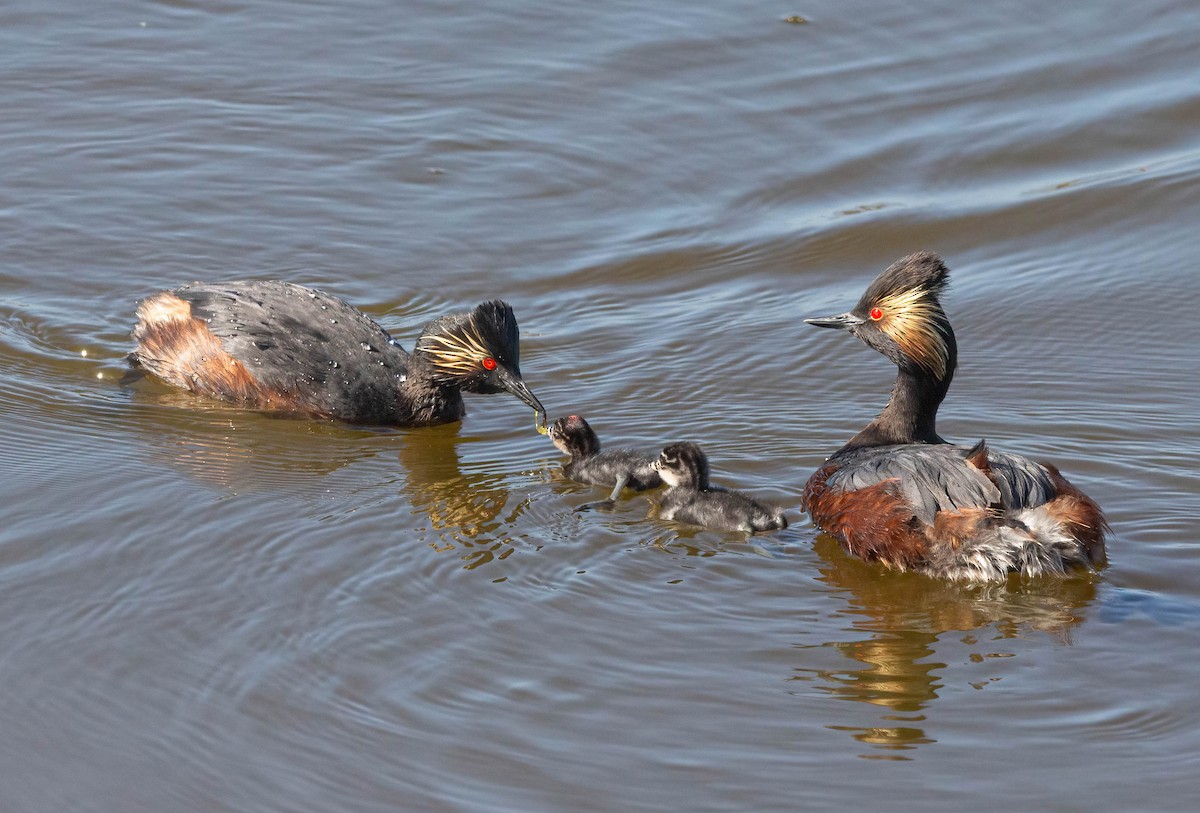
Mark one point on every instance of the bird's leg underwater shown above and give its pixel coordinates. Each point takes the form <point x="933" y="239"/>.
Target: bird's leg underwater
<point x="622" y="479"/>
<point x="611" y="502"/>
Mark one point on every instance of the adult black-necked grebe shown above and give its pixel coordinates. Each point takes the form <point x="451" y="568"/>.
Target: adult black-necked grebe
<point x="286" y="348"/>
<point x="690" y="498"/>
<point x="899" y="494"/>
<point x="619" y="468"/>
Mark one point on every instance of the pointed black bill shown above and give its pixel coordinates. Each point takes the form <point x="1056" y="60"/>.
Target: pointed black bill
<point x="843" y="321"/>
<point x="517" y="387"/>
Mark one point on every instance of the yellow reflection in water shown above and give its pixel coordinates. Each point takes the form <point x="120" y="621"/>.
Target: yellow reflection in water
<point x="903" y="617"/>
<point x="468" y="512"/>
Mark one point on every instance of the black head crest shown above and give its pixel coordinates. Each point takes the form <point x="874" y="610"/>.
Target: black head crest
<point x="922" y="274"/>
<point x="903" y="303"/>
<point x="497" y="324"/>
<point x="466" y="348"/>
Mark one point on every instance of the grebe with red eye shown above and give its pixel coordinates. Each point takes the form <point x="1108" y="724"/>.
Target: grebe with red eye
<point x="286" y="348"/>
<point x="899" y="494"/>
<point x="619" y="468"/>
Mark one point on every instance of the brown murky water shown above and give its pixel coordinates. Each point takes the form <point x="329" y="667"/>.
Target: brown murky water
<point x="203" y="609"/>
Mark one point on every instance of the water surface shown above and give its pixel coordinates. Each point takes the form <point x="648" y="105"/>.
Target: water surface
<point x="207" y="609"/>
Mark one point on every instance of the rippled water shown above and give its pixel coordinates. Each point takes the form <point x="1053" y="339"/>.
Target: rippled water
<point x="208" y="609"/>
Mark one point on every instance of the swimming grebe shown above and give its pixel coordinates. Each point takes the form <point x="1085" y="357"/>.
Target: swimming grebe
<point x="620" y="468"/>
<point x="689" y="498"/>
<point x="286" y="348"/>
<point x="899" y="494"/>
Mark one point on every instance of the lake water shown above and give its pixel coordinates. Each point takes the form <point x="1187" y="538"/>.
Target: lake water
<point x="206" y="609"/>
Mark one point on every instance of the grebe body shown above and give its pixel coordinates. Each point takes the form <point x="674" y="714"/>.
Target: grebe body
<point x="691" y="499"/>
<point x="899" y="494"/>
<point x="619" y="468"/>
<point x="287" y="348"/>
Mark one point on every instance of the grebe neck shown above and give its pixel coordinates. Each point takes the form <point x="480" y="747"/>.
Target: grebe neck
<point x="425" y="397"/>
<point x="911" y="413"/>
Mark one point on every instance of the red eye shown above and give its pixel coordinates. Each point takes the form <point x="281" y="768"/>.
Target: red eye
<point x="876" y="313"/>
<point x="489" y="363"/>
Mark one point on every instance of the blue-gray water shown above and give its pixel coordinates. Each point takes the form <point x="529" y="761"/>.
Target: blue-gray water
<point x="204" y="609"/>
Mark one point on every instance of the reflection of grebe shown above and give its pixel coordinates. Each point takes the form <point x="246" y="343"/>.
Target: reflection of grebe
<point x="247" y="453"/>
<point x="899" y="494"/>
<point x="689" y="497"/>
<point x="286" y="348"/>
<point x="902" y="632"/>
<point x="461" y="504"/>
<point x="619" y="468"/>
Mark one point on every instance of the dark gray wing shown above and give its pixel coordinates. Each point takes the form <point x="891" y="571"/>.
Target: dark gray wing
<point x="305" y="342"/>
<point x="1023" y="483"/>
<point x="937" y="477"/>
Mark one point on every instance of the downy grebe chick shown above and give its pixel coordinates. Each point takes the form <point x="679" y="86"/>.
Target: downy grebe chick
<point x="286" y="348"/>
<point x="690" y="498"/>
<point x="899" y="494"/>
<point x="620" y="468"/>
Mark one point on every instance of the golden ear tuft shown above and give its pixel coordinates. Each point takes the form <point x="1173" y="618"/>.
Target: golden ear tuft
<point x="911" y="319"/>
<point x="460" y="351"/>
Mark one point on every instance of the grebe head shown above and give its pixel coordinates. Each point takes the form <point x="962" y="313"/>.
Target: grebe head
<point x="900" y="315"/>
<point x="478" y="351"/>
<point x="683" y="464"/>
<point x="573" y="435"/>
